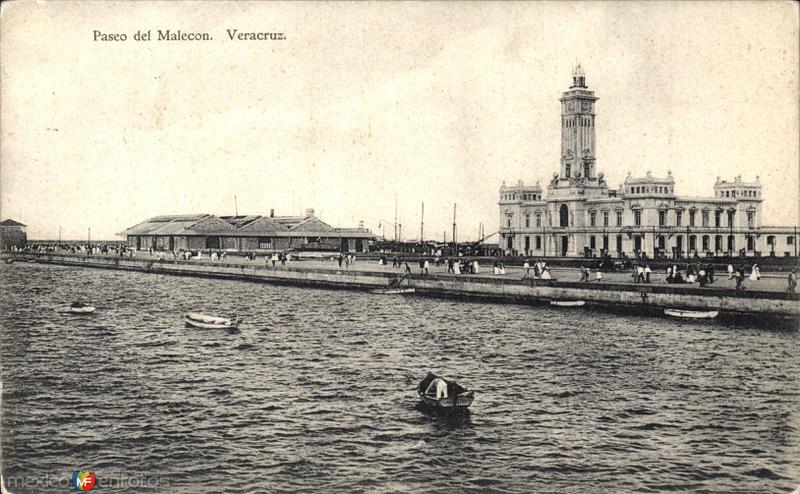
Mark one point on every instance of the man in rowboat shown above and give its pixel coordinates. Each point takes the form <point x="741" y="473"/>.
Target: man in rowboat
<point x="440" y="386"/>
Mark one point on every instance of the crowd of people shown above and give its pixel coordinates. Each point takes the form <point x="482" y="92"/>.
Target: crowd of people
<point x="90" y="249"/>
<point x="539" y="268"/>
<point x="641" y="272"/>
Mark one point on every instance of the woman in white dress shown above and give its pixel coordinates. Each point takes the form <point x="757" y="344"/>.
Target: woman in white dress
<point x="755" y="274"/>
<point x="476" y="269"/>
<point x="546" y="274"/>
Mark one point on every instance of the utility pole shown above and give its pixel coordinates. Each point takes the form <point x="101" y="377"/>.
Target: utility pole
<point x="59" y="235"/>
<point x="235" y="205"/>
<point x="395" y="216"/>
<point x="422" y="224"/>
<point x="454" y="228"/>
<point x="89" y="235"/>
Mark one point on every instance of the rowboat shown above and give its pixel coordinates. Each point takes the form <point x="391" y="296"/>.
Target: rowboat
<point x="79" y="308"/>
<point x="456" y="398"/>
<point x="692" y="314"/>
<point x="202" y="321"/>
<point x="568" y="303"/>
<point x="392" y="291"/>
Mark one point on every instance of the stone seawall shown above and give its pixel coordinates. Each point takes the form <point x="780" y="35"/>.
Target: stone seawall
<point x="643" y="298"/>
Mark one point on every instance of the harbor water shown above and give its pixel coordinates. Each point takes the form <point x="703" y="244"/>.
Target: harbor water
<point x="316" y="393"/>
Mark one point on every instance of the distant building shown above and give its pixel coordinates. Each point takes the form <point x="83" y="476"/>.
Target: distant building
<point x="580" y="216"/>
<point x="12" y="234"/>
<point x="245" y="233"/>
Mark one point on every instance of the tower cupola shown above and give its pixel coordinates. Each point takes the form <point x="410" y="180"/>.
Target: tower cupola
<point x="578" y="77"/>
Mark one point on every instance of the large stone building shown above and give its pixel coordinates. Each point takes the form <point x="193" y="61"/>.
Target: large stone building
<point x="581" y="216"/>
<point x="254" y="233"/>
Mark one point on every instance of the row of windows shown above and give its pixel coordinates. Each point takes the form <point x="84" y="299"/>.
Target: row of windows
<point x="743" y="193"/>
<point x="527" y="196"/>
<point x="658" y="189"/>
<point x="662" y="218"/>
<point x="578" y="122"/>
<point x="705" y="241"/>
<point x="538" y="216"/>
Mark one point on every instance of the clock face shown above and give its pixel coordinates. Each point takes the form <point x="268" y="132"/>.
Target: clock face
<point x="586" y="106"/>
<point x="571" y="106"/>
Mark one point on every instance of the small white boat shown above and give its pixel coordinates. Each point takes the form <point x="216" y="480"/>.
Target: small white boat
<point x="392" y="291"/>
<point x="203" y="321"/>
<point x="692" y="314"/>
<point x="79" y="309"/>
<point x="568" y="303"/>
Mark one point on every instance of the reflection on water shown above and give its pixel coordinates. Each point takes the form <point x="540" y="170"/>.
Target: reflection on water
<point x="317" y="392"/>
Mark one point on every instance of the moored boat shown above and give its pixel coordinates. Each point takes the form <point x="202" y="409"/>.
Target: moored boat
<point x="392" y="291"/>
<point x="204" y="321"/>
<point x="568" y="303"/>
<point x="79" y="308"/>
<point x="692" y="314"/>
<point x="442" y="394"/>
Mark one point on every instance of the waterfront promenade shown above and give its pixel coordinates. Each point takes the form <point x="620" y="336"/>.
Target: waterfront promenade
<point x="617" y="291"/>
<point x="769" y="282"/>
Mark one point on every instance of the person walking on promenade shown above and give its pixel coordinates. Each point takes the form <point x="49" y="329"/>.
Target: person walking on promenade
<point x="710" y="273"/>
<point x="731" y="273"/>
<point x="408" y="269"/>
<point x="792" y="281"/>
<point x="421" y="266"/>
<point x="755" y="274"/>
<point x="527" y="267"/>
<point x="340" y="259"/>
<point x="639" y="274"/>
<point x="740" y="278"/>
<point x="584" y="275"/>
<point x="427" y="266"/>
<point x="647" y="273"/>
<point x="701" y="277"/>
<point x="669" y="274"/>
<point x="599" y="275"/>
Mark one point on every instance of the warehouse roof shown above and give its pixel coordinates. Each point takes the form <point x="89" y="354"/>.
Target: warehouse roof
<point x="10" y="222"/>
<point x="243" y="225"/>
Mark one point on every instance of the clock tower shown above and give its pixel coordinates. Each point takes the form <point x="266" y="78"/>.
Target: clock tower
<point x="577" y="131"/>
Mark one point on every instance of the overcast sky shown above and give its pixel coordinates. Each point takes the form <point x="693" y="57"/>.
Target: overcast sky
<point x="361" y="102"/>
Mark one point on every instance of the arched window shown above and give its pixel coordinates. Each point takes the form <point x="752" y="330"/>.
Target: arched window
<point x="563" y="215"/>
